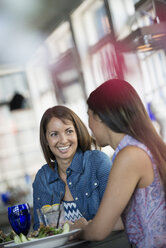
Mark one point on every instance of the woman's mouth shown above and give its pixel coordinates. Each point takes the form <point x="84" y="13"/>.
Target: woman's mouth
<point x="63" y="148"/>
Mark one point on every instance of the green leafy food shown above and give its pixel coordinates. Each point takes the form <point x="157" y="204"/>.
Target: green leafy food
<point x="6" y="237"/>
<point x="66" y="228"/>
<point x="23" y="238"/>
<point x="43" y="231"/>
<point x="17" y="239"/>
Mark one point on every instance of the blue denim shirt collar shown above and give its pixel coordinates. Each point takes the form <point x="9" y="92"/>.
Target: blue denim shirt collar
<point x="76" y="166"/>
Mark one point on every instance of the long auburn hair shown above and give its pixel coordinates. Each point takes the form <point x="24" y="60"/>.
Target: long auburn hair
<point x="85" y="141"/>
<point x="119" y="106"/>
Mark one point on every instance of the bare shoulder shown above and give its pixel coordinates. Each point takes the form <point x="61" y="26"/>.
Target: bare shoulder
<point x="135" y="160"/>
<point x="134" y="154"/>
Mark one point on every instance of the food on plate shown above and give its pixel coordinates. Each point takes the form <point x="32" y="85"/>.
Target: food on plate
<point x="6" y="237"/>
<point x="20" y="238"/>
<point x="66" y="227"/>
<point x="43" y="231"/>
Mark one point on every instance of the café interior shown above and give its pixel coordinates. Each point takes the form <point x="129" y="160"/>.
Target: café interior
<point x="57" y="52"/>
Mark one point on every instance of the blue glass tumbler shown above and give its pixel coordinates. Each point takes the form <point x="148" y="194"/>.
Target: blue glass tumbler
<point x="20" y="218"/>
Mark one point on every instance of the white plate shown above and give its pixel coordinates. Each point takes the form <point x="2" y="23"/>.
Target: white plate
<point x="47" y="242"/>
<point x="5" y="243"/>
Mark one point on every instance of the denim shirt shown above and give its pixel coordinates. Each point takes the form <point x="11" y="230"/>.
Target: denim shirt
<point x="87" y="177"/>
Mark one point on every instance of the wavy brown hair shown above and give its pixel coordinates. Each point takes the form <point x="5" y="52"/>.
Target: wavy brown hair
<point x="119" y="106"/>
<point x="85" y="141"/>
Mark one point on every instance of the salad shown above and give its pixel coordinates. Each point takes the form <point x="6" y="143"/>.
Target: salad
<point x="43" y="231"/>
<point x="6" y="237"/>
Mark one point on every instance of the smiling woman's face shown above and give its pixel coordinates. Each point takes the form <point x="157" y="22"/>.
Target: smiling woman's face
<point x="62" y="138"/>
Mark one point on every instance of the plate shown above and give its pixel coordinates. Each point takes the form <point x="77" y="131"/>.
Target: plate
<point x="47" y="242"/>
<point x="5" y="243"/>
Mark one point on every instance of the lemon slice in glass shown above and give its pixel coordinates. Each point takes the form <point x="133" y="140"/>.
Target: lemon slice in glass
<point x="46" y="208"/>
<point x="55" y="207"/>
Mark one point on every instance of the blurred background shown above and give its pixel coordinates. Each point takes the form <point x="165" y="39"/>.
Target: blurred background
<point x="56" y="52"/>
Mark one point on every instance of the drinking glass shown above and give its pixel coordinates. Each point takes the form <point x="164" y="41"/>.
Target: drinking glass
<point x="52" y="215"/>
<point x="20" y="218"/>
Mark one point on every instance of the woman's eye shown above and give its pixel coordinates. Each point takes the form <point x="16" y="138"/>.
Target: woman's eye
<point x="53" y="134"/>
<point x="69" y="131"/>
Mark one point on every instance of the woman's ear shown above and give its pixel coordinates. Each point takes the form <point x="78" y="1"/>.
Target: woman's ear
<point x="97" y="117"/>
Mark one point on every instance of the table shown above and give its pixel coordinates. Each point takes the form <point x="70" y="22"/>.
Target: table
<point x="117" y="239"/>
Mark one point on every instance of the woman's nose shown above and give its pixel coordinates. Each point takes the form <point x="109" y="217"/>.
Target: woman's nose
<point x="63" y="138"/>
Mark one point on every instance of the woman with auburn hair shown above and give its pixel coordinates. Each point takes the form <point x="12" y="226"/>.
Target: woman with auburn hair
<point x="74" y="172"/>
<point x="136" y="188"/>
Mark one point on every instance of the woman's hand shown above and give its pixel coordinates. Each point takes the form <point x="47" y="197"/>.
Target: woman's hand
<point x="78" y="224"/>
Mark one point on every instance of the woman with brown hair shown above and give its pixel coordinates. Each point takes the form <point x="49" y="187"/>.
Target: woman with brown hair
<point x="136" y="188"/>
<point x="74" y="172"/>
